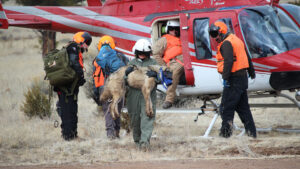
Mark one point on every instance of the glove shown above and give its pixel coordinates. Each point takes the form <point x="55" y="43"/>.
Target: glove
<point x="168" y="74"/>
<point x="226" y="83"/>
<point x="252" y="75"/>
<point x="129" y="70"/>
<point x="151" y="73"/>
<point x="81" y="82"/>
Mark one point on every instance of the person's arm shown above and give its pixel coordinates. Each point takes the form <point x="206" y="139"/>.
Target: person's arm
<point x="158" y="51"/>
<point x="73" y="52"/>
<point x="251" y="70"/>
<point x="227" y="53"/>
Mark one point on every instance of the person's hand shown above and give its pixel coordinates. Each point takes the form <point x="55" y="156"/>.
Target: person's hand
<point x="252" y="75"/>
<point x="151" y="73"/>
<point x="81" y="82"/>
<point x="129" y="70"/>
<point x="226" y="83"/>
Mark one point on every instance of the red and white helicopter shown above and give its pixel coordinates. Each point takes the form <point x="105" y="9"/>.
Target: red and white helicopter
<point x="270" y="31"/>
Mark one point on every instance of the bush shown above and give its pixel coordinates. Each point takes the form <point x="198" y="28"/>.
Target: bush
<point x="37" y="103"/>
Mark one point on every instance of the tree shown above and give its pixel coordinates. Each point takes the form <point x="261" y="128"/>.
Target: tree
<point x="3" y="1"/>
<point x="296" y="2"/>
<point x="48" y="37"/>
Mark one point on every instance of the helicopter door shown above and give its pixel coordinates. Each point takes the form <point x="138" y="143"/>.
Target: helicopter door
<point x="189" y="75"/>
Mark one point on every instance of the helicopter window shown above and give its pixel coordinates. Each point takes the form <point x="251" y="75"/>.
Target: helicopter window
<point x="201" y="39"/>
<point x="268" y="32"/>
<point x="228" y="22"/>
<point x="293" y="10"/>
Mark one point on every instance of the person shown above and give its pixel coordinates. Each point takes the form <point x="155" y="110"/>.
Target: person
<point x="233" y="63"/>
<point x="108" y="62"/>
<point x="167" y="51"/>
<point x="67" y="102"/>
<point x="141" y="124"/>
<point x="98" y="73"/>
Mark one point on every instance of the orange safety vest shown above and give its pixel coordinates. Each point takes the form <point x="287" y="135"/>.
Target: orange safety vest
<point x="98" y="75"/>
<point x="173" y="49"/>
<point x="239" y="53"/>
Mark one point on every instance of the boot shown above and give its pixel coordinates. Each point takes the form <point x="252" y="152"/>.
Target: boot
<point x="167" y="105"/>
<point x="117" y="133"/>
<point x="226" y="130"/>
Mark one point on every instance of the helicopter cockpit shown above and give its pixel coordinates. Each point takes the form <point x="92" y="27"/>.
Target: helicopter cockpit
<point x="268" y="31"/>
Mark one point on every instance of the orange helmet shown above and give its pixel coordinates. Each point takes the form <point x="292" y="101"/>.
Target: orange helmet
<point x="106" y="40"/>
<point x="82" y="37"/>
<point x="217" y="28"/>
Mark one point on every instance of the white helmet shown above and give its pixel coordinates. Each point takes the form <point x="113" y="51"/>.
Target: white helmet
<point x="173" y="23"/>
<point x="142" y="45"/>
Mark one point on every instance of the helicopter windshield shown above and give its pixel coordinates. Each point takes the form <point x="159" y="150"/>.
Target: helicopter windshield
<point x="268" y="32"/>
<point x="293" y="10"/>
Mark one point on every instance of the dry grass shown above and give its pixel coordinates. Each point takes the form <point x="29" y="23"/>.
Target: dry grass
<point x="26" y="141"/>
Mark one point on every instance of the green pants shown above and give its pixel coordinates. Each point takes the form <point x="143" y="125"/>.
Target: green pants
<point x="141" y="124"/>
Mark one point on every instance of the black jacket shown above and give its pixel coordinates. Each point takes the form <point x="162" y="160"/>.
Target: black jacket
<point x="73" y="52"/>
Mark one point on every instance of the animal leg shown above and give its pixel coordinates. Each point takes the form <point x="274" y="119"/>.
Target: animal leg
<point x="115" y="109"/>
<point x="146" y="94"/>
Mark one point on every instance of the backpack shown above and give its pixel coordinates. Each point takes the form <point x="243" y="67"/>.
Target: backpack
<point x="122" y="57"/>
<point x="58" y="69"/>
<point x="110" y="60"/>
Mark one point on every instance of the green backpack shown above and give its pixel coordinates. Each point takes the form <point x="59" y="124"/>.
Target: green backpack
<point x="58" y="69"/>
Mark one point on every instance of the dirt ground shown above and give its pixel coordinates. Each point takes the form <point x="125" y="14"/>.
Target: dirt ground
<point x="290" y="163"/>
<point x="176" y="143"/>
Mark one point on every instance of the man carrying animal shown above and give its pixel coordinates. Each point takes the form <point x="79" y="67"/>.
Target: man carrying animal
<point x="167" y="51"/>
<point x="107" y="62"/>
<point x="68" y="94"/>
<point x="142" y="125"/>
<point x="233" y="63"/>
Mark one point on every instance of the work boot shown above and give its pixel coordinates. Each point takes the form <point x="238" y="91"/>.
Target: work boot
<point x="251" y="133"/>
<point x="111" y="137"/>
<point x="167" y="105"/>
<point x="225" y="131"/>
<point x="110" y="134"/>
<point x="69" y="137"/>
<point x="145" y="147"/>
<point x="117" y="133"/>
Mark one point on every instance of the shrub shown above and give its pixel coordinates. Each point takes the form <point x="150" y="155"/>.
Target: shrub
<point x="37" y="103"/>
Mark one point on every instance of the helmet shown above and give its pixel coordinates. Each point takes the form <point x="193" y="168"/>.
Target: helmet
<point x="106" y="40"/>
<point x="217" y="28"/>
<point x="172" y="23"/>
<point x="142" y="46"/>
<point x="82" y="37"/>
